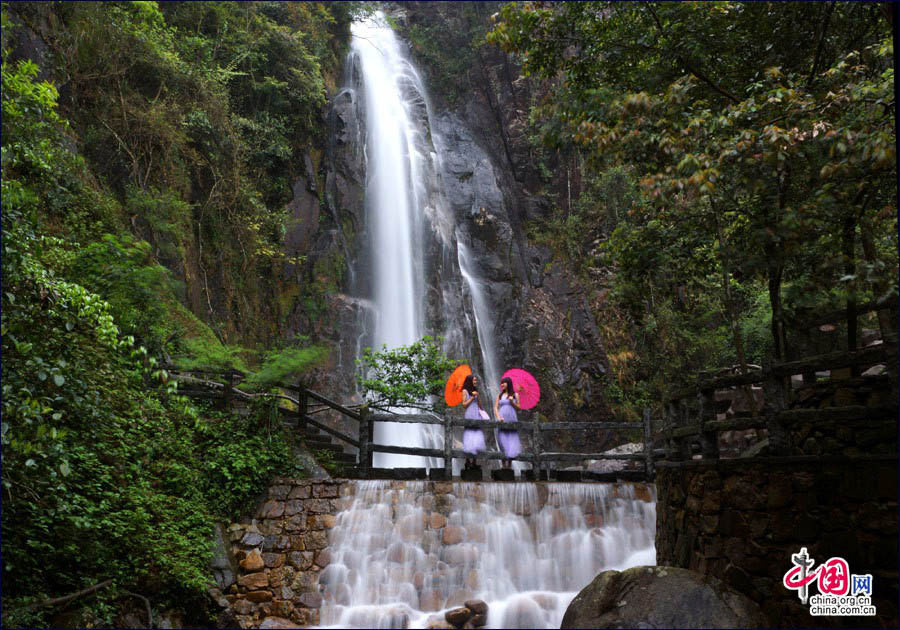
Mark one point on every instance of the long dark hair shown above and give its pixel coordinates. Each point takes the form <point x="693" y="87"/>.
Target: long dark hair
<point x="510" y="392"/>
<point x="469" y="386"/>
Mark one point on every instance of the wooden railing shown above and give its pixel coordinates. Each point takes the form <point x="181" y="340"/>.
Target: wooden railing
<point x="690" y="425"/>
<point x="537" y="430"/>
<point x="309" y="402"/>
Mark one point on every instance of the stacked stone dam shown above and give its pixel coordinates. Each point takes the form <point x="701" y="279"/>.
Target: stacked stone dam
<point x="404" y="553"/>
<point x="740" y="520"/>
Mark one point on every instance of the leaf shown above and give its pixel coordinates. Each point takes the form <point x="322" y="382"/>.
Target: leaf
<point x="59" y="379"/>
<point x="64" y="468"/>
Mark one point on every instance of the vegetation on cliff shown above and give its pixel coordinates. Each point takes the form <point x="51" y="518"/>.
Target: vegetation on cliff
<point x="146" y="163"/>
<point x="738" y="169"/>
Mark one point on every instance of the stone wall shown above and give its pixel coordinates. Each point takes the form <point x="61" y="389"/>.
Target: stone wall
<point x="740" y="521"/>
<point x="831" y="434"/>
<point x="280" y="552"/>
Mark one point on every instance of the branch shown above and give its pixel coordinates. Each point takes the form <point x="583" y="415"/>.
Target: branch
<point x="691" y="68"/>
<point x="67" y="598"/>
<point x="146" y="603"/>
<point x="818" y="57"/>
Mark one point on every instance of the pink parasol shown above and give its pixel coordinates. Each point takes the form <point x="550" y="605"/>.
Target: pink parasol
<point x="526" y="387"/>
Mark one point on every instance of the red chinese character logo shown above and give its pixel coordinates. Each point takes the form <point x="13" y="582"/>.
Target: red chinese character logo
<point x="834" y="577"/>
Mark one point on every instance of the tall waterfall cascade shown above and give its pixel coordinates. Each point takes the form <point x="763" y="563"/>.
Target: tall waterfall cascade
<point x="405" y="209"/>
<point x="402" y="553"/>
<point x="393" y="201"/>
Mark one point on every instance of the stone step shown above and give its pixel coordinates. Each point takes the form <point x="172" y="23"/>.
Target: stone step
<point x="321" y="442"/>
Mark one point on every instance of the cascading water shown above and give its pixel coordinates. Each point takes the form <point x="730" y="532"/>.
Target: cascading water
<point x="394" y="199"/>
<point x="404" y="552"/>
<point x="401" y="553"/>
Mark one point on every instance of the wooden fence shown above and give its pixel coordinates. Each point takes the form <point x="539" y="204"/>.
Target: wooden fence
<point x="308" y="403"/>
<point x="691" y="427"/>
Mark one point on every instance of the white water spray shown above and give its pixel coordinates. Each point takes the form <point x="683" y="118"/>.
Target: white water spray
<point x="394" y="199"/>
<point x="404" y="553"/>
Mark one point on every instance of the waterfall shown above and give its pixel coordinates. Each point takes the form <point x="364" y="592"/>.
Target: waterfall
<point x="484" y="322"/>
<point x="402" y="553"/>
<point x="394" y="203"/>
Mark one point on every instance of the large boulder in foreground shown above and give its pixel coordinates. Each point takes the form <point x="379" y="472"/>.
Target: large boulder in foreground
<point x="660" y="597"/>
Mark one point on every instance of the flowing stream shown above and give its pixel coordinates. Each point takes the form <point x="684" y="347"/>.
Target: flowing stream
<point x="402" y="553"/>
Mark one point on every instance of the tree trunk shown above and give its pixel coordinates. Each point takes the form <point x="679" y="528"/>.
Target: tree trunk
<point x="849" y="242"/>
<point x="885" y="321"/>
<point x="731" y="310"/>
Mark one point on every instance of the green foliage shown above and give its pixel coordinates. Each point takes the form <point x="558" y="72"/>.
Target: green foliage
<point x="760" y="165"/>
<point x="122" y="271"/>
<point x="325" y="458"/>
<point x="211" y="354"/>
<point x="282" y="366"/>
<point x="239" y="460"/>
<point x="107" y="472"/>
<point x="193" y="120"/>
<point x="408" y="376"/>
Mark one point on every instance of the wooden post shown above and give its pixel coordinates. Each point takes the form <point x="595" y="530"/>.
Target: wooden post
<point x="536" y="445"/>
<point x="370" y="438"/>
<point x="648" y="446"/>
<point x="681" y="446"/>
<point x="448" y="448"/>
<point x="302" y="408"/>
<point x="709" y="440"/>
<point x="773" y="388"/>
<point x="228" y="394"/>
<point x="365" y="456"/>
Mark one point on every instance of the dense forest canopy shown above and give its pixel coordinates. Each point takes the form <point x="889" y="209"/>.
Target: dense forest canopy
<point x="740" y="162"/>
<point x="735" y="172"/>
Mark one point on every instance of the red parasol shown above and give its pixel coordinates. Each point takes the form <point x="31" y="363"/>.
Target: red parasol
<point x="453" y="390"/>
<point x="526" y="387"/>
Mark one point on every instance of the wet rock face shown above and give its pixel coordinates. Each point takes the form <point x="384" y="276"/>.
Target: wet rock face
<point x="541" y="317"/>
<point x="660" y="597"/>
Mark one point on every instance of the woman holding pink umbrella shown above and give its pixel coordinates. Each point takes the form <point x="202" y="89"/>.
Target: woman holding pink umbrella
<point x="473" y="439"/>
<point x="505" y="408"/>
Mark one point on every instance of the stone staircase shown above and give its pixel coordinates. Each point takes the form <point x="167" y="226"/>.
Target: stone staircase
<point x="316" y="441"/>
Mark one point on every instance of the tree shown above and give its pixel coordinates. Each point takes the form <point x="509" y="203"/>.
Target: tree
<point x="760" y="132"/>
<point x="407" y="376"/>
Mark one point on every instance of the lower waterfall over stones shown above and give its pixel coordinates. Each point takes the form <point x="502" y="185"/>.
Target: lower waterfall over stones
<point x="402" y="553"/>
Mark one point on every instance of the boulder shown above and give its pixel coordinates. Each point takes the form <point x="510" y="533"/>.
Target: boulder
<point x="457" y="617"/>
<point x="660" y="597"/>
<point x="477" y="606"/>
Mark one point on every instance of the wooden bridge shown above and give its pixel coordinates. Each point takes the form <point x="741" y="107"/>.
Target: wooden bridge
<point x="317" y="435"/>
<point x="690" y="429"/>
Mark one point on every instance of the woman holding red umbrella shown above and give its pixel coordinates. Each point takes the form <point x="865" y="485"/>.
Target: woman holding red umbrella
<point x="505" y="408"/>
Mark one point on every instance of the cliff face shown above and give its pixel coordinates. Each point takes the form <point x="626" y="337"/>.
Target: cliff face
<point x="482" y="189"/>
<point x="543" y="319"/>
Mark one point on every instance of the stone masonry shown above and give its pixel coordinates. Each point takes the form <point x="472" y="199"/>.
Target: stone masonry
<point x="282" y="550"/>
<point x="741" y="519"/>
